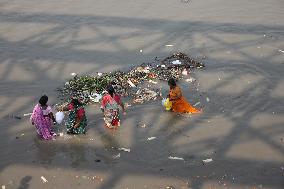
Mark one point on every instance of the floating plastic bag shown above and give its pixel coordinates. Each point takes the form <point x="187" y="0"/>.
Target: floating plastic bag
<point x="96" y="97"/>
<point x="59" y="116"/>
<point x="168" y="104"/>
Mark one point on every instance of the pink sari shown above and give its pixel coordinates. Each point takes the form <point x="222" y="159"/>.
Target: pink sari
<point x="42" y="122"/>
<point x="111" y="110"/>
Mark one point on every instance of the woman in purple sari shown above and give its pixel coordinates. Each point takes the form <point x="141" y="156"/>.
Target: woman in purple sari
<point x="42" y="118"/>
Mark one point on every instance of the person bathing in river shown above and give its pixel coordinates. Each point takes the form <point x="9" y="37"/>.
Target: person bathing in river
<point x="77" y="120"/>
<point x="179" y="103"/>
<point x="110" y="107"/>
<point x="42" y="118"/>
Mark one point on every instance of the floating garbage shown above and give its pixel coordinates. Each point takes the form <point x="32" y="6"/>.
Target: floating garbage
<point x="96" y="97"/>
<point x="44" y="180"/>
<point x="184" y="72"/>
<point x="85" y="87"/>
<point x="60" y="134"/>
<point x="130" y="83"/>
<point x="170" y="187"/>
<point x="151" y="138"/>
<point x="176" y="158"/>
<point x="281" y="51"/>
<point x="176" y="62"/>
<point x="28" y="114"/>
<point x="207" y="99"/>
<point x="196" y="103"/>
<point x="124" y="149"/>
<point x="145" y="94"/>
<point x="141" y="50"/>
<point x="3" y="187"/>
<point x="142" y="125"/>
<point x="169" y="45"/>
<point x="190" y="80"/>
<point x="207" y="160"/>
<point x="151" y="81"/>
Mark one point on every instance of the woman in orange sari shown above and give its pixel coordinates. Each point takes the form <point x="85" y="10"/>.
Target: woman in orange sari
<point x="179" y="103"/>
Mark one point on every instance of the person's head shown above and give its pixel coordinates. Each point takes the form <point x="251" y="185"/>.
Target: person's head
<point x="172" y="82"/>
<point x="110" y="90"/>
<point x="43" y="100"/>
<point x="76" y="102"/>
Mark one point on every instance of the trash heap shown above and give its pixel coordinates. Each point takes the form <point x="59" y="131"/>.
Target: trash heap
<point x="126" y="83"/>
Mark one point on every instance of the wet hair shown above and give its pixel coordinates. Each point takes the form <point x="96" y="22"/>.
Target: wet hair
<point x="172" y="82"/>
<point x="110" y="90"/>
<point x="43" y="100"/>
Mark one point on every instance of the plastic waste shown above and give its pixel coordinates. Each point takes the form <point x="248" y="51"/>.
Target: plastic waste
<point x="207" y="99"/>
<point x="130" y="83"/>
<point x="59" y="116"/>
<point x="151" y="138"/>
<point x="176" y="62"/>
<point x="28" y="114"/>
<point x="168" y="104"/>
<point x="196" y="103"/>
<point x="191" y="79"/>
<point x="176" y="158"/>
<point x="207" y="160"/>
<point x="124" y="149"/>
<point x="44" y="180"/>
<point x="96" y="97"/>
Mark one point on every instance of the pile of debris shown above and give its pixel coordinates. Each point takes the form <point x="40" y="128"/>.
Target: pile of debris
<point x="145" y="95"/>
<point x="88" y="87"/>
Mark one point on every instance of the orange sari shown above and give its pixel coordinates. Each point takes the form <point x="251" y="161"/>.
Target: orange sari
<point x="179" y="103"/>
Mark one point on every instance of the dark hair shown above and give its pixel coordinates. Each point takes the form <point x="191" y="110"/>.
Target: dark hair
<point x="76" y="102"/>
<point x="172" y="82"/>
<point x="43" y="100"/>
<point x="110" y="90"/>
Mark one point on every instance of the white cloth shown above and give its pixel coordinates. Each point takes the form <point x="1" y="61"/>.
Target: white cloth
<point x="59" y="116"/>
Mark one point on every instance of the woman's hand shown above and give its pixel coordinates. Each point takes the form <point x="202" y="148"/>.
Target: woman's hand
<point x="76" y="125"/>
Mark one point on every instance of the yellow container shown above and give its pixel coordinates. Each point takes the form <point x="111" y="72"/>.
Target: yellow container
<point x="168" y="104"/>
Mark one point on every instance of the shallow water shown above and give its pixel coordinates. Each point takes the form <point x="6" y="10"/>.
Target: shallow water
<point x="241" y="128"/>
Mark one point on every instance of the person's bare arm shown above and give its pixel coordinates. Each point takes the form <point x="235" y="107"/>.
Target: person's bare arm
<point x="77" y="122"/>
<point x="52" y="117"/>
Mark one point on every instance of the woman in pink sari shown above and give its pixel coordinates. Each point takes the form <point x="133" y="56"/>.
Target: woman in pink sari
<point x="110" y="107"/>
<point x="42" y="118"/>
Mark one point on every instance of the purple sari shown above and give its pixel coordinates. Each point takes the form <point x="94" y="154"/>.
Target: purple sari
<point x="42" y="122"/>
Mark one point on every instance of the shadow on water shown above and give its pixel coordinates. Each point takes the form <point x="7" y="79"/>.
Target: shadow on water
<point x="28" y="51"/>
<point x="24" y="184"/>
